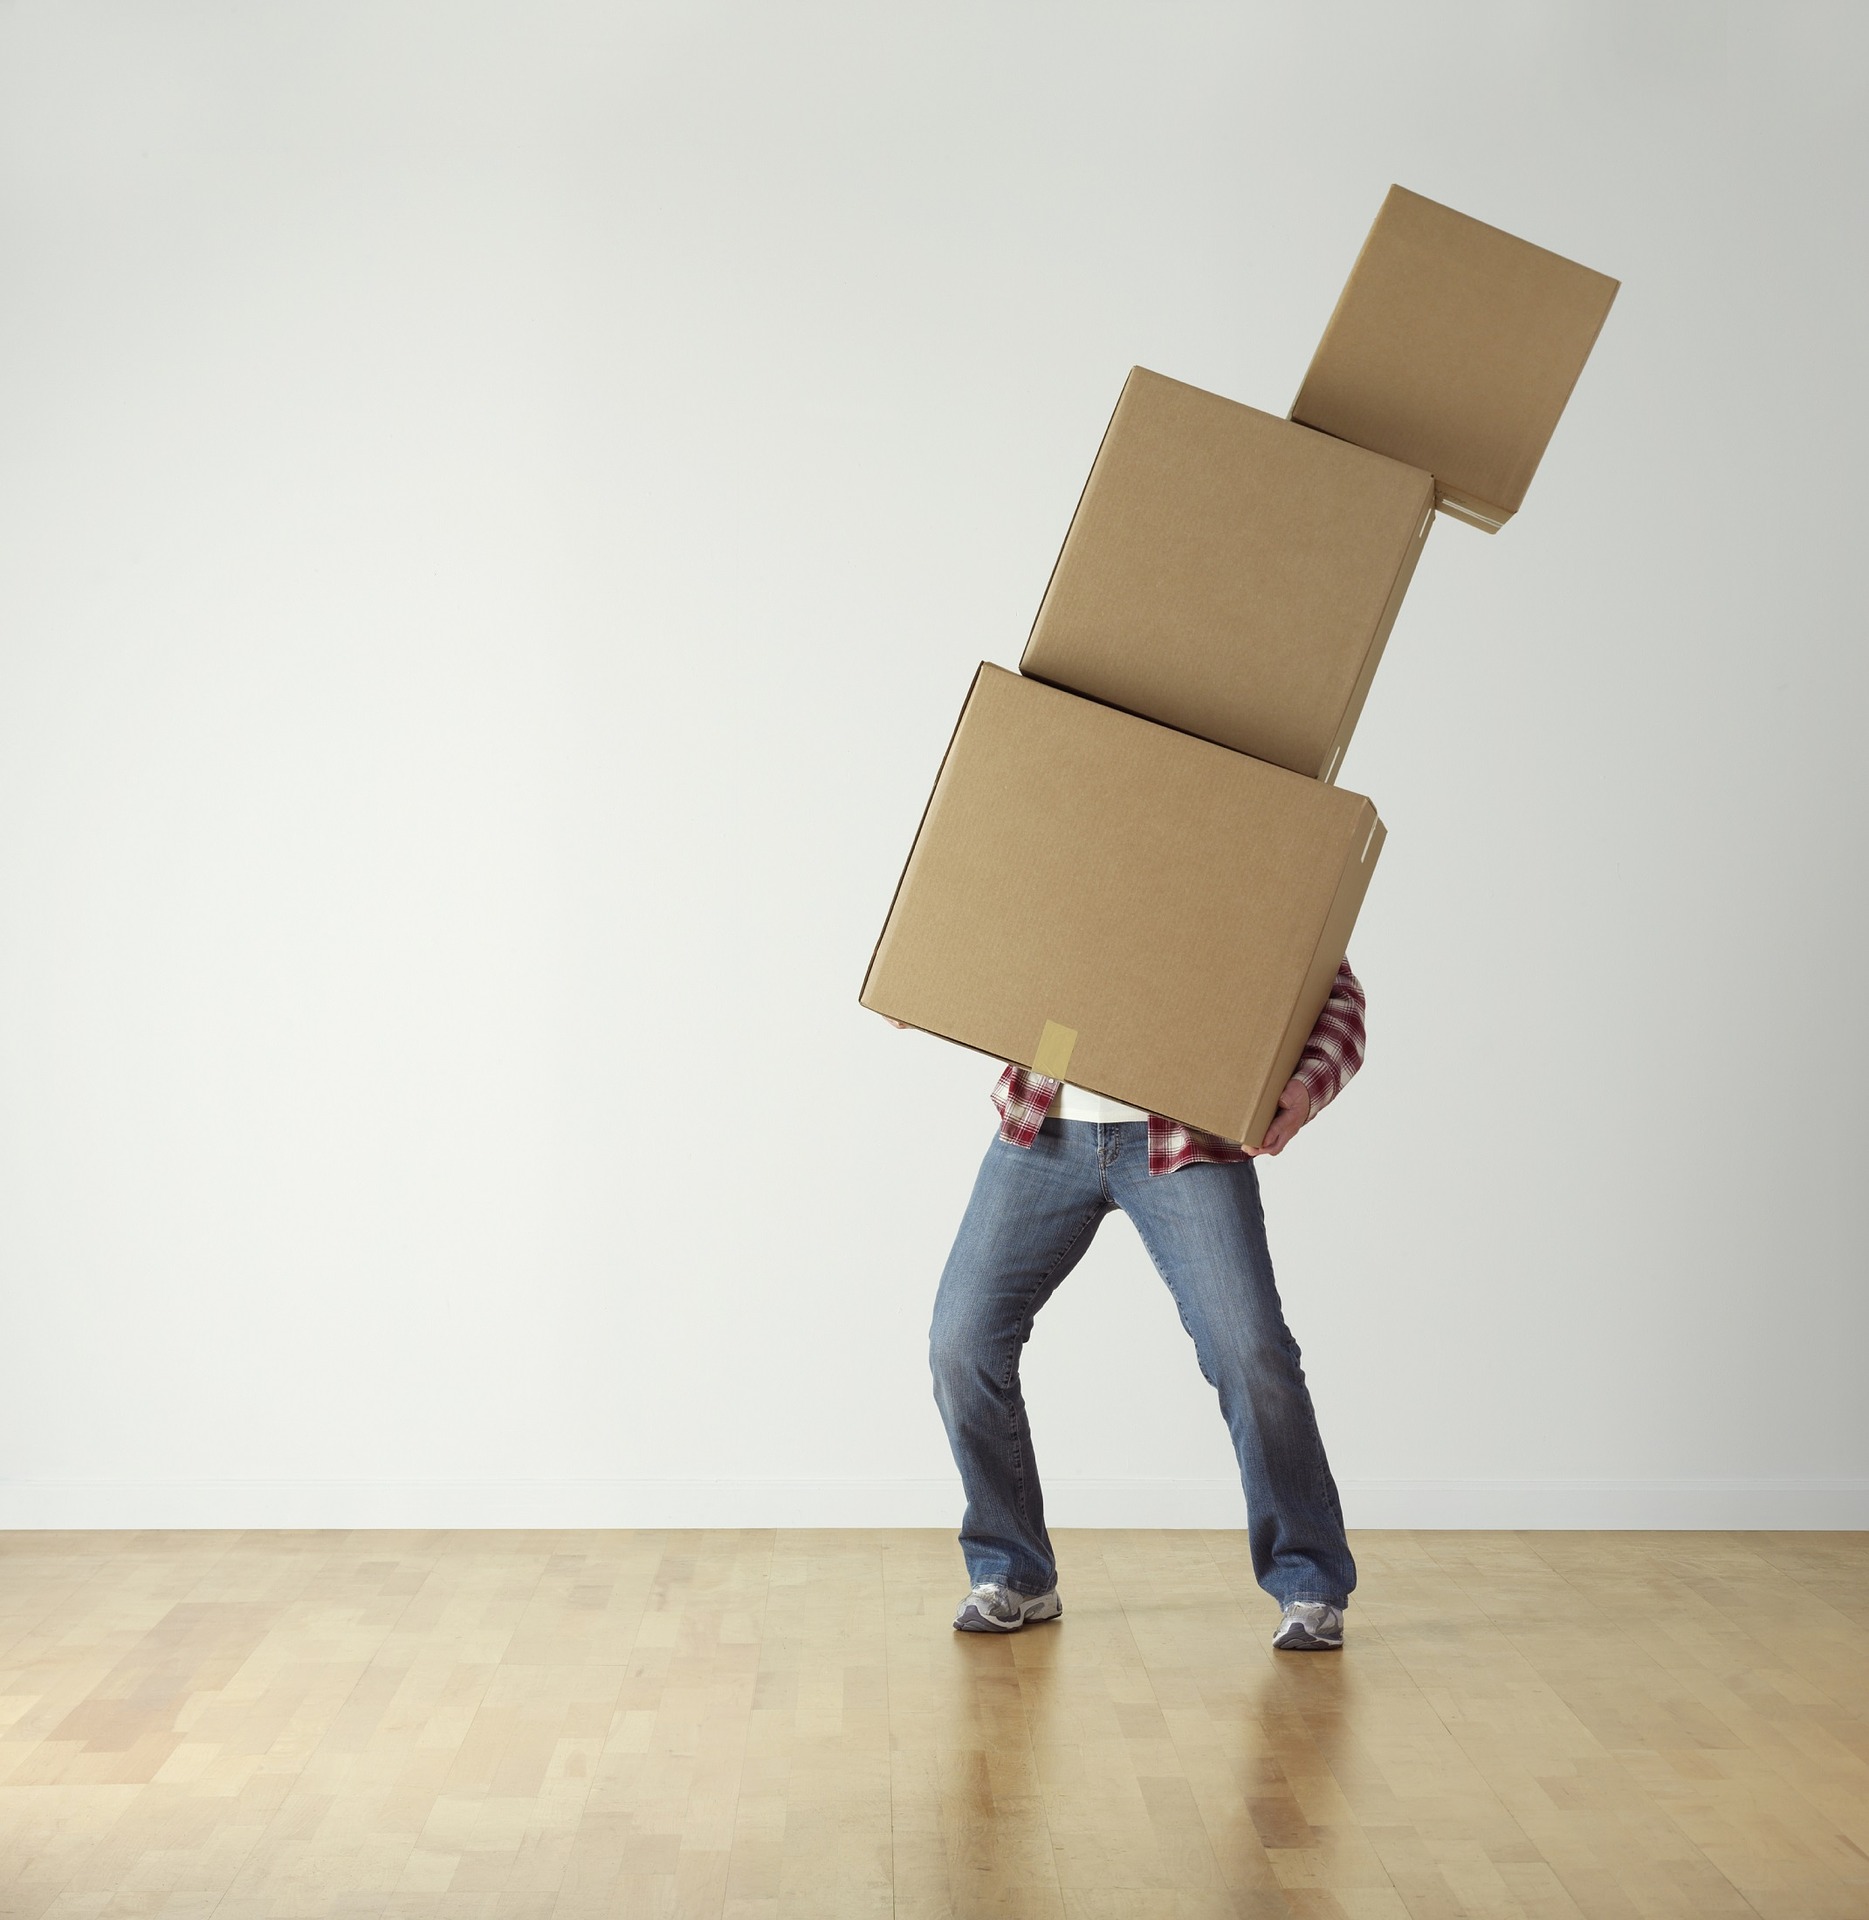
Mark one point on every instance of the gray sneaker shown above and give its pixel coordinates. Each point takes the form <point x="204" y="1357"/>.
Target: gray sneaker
<point x="1309" y="1626"/>
<point x="996" y="1609"/>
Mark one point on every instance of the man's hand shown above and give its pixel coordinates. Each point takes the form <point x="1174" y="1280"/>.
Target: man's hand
<point x="1294" y="1109"/>
<point x="901" y="1026"/>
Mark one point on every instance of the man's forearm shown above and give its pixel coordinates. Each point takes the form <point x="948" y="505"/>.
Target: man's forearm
<point x="1335" y="1049"/>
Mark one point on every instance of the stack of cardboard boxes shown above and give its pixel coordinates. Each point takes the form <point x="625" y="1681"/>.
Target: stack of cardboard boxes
<point x="1134" y="872"/>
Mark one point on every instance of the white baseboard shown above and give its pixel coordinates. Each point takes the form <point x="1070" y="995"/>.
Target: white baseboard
<point x="1801" y="1504"/>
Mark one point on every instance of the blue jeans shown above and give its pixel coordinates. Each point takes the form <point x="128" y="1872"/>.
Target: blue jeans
<point x="1033" y="1213"/>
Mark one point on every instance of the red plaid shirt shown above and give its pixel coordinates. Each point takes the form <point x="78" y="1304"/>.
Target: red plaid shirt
<point x="1331" y="1055"/>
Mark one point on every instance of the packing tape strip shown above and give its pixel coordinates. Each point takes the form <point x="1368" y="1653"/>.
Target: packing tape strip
<point x="1053" y="1058"/>
<point x="1471" y="515"/>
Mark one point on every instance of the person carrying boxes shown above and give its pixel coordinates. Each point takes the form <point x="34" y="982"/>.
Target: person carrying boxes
<point x="1207" y="640"/>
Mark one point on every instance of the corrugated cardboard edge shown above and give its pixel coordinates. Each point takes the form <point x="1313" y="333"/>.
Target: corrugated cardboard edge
<point x="1083" y="494"/>
<point x="959" y="719"/>
<point x="1385" y="624"/>
<point x="1333" y="941"/>
<point x="1488" y="515"/>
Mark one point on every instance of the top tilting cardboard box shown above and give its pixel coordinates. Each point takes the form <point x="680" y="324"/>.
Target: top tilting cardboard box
<point x="1454" y="347"/>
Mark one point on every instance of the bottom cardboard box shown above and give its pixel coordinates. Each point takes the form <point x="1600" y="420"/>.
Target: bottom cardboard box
<point x="1122" y="906"/>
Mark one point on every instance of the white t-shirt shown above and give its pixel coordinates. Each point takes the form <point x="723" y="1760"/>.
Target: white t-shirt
<point x="1073" y="1103"/>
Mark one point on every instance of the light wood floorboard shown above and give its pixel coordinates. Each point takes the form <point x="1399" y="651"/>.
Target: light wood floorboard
<point x="781" y="1726"/>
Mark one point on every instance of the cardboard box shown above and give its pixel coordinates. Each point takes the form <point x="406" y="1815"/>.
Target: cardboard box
<point x="1144" y="914"/>
<point x="1455" y="347"/>
<point x="1231" y="574"/>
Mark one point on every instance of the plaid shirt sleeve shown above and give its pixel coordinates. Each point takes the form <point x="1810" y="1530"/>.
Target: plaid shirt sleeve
<point x="1330" y="1059"/>
<point x="1335" y="1049"/>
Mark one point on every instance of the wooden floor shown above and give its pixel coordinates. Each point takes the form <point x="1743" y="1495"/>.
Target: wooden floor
<point x="760" y="1724"/>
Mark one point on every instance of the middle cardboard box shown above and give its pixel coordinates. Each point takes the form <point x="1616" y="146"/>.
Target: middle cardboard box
<point x="1231" y="574"/>
<point x="1113" y="903"/>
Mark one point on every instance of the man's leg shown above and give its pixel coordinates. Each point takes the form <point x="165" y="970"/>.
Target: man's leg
<point x="1032" y="1214"/>
<point x="1203" y="1228"/>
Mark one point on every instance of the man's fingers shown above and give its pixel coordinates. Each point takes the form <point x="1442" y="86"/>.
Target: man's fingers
<point x="1283" y="1130"/>
<point x="1294" y="1109"/>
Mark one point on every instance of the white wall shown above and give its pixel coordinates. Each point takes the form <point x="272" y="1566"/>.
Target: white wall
<point x="501" y="504"/>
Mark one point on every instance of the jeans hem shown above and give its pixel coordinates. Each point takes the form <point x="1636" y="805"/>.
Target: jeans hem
<point x="1012" y="1586"/>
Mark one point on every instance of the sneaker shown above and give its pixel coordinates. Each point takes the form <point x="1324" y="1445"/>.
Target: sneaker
<point x="996" y="1609"/>
<point x="1309" y="1626"/>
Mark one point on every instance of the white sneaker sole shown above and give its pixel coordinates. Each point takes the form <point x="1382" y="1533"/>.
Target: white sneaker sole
<point x="1298" y="1638"/>
<point x="1047" y="1606"/>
